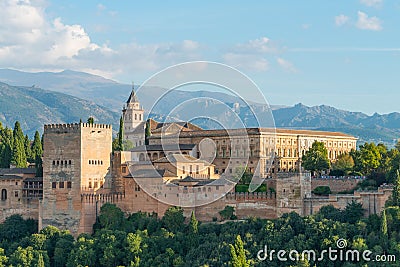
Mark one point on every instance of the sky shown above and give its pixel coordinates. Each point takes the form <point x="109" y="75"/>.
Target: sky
<point x="344" y="53"/>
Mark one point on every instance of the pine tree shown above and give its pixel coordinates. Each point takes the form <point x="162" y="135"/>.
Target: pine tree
<point x="37" y="151"/>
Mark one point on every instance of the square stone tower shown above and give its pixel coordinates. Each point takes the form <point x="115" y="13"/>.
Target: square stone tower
<point x="76" y="160"/>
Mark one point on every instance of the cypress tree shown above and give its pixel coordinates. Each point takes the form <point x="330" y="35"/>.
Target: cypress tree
<point x="384" y="228"/>
<point x="6" y="145"/>
<point x="37" y="152"/>
<point x="18" y="157"/>
<point x="193" y="225"/>
<point x="121" y="134"/>
<point x="28" y="151"/>
<point x="147" y="133"/>
<point x="90" y="120"/>
<point x="396" y="190"/>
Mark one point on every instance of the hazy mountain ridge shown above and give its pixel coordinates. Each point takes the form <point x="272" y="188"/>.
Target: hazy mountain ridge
<point x="107" y="93"/>
<point x="33" y="107"/>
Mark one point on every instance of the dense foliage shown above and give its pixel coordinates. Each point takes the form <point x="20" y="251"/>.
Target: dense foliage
<point x="144" y="240"/>
<point x="16" y="148"/>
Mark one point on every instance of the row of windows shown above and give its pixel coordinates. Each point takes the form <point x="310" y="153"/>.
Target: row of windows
<point x="95" y="162"/>
<point x="95" y="184"/>
<point x="62" y="162"/>
<point x="137" y="116"/>
<point x="61" y="185"/>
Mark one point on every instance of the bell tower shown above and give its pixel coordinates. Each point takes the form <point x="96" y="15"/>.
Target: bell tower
<point x="133" y="116"/>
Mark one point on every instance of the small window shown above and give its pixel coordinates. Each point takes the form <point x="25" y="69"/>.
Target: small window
<point x="16" y="183"/>
<point x="90" y="184"/>
<point x="54" y="162"/>
<point x="101" y="162"/>
<point x="61" y="185"/>
<point x="53" y="185"/>
<point x="123" y="169"/>
<point x="62" y="162"/>
<point x="70" y="162"/>
<point x="65" y="162"/>
<point x="58" y="162"/>
<point x="96" y="184"/>
<point x="16" y="194"/>
<point x="69" y="184"/>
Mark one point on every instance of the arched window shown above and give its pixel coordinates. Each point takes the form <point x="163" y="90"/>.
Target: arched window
<point x="3" y="194"/>
<point x="135" y="117"/>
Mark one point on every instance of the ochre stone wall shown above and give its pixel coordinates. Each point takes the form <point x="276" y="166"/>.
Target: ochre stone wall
<point x="336" y="185"/>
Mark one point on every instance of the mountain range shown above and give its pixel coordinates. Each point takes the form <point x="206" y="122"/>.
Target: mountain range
<point x="61" y="97"/>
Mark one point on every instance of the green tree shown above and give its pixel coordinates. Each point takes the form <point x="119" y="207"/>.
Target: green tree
<point x="27" y="148"/>
<point x="396" y="190"/>
<point x="384" y="226"/>
<point x="133" y="249"/>
<point x="344" y="163"/>
<point x="316" y="159"/>
<point x="173" y="219"/>
<point x="370" y="157"/>
<point x="118" y="143"/>
<point x="84" y="253"/>
<point x="111" y="217"/>
<point x="238" y="254"/>
<point x="353" y="212"/>
<point x="37" y="152"/>
<point x="147" y="132"/>
<point x="6" y="146"/>
<point x="3" y="258"/>
<point x="193" y="224"/>
<point x="90" y="120"/>
<point x="227" y="213"/>
<point x="18" y="155"/>
<point x="121" y="134"/>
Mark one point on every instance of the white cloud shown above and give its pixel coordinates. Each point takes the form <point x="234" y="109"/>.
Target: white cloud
<point x="29" y="40"/>
<point x="372" y="3"/>
<point x="340" y="20"/>
<point x="260" y="45"/>
<point x="101" y="7"/>
<point x="286" y="65"/>
<point x="368" y="23"/>
<point x="247" y="62"/>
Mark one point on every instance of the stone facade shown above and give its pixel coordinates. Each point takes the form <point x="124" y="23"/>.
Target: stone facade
<point x="76" y="161"/>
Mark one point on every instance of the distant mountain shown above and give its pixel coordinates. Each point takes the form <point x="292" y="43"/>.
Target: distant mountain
<point x="33" y="107"/>
<point x="107" y="93"/>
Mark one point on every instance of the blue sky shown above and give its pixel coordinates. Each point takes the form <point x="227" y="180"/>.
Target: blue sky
<point x="340" y="53"/>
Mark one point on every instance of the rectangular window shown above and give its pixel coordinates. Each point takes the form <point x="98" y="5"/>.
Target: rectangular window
<point x="96" y="184"/>
<point x="69" y="184"/>
<point x="90" y="184"/>
<point x="123" y="169"/>
<point x="197" y="169"/>
<point x="183" y="169"/>
<point x="53" y="185"/>
<point x="61" y="185"/>
<point x="16" y="193"/>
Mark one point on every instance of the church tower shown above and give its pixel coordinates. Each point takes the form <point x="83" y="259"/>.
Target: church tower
<point x="133" y="116"/>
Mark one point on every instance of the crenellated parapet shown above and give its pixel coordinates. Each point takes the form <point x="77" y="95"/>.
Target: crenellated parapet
<point x="61" y="128"/>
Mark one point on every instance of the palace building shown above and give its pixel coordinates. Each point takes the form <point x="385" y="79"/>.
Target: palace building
<point x="182" y="165"/>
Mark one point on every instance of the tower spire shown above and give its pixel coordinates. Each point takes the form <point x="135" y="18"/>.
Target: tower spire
<point x="132" y="97"/>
